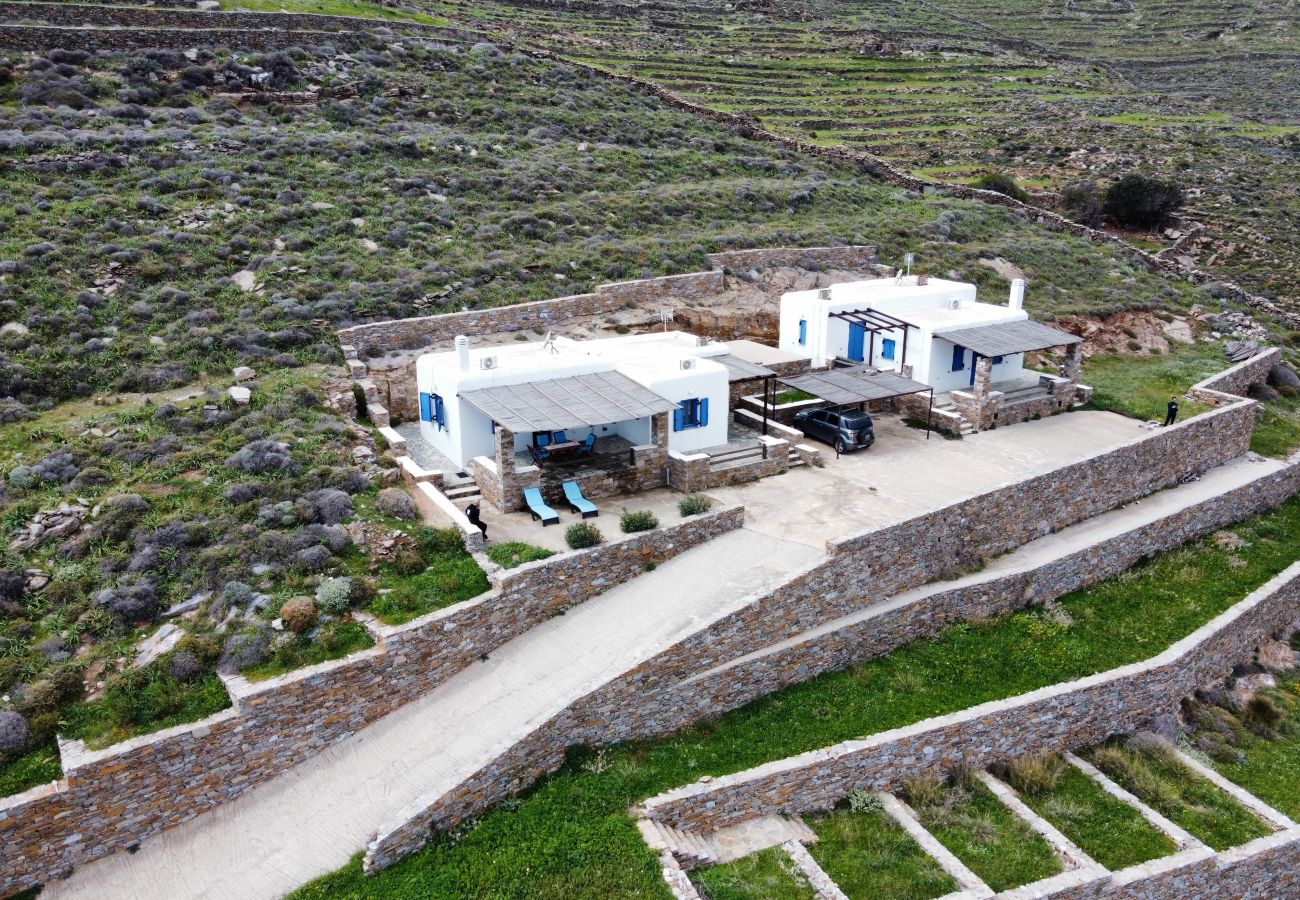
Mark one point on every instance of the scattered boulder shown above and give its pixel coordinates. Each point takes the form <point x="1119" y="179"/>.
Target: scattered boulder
<point x="14" y="733"/>
<point x="1276" y="655"/>
<point x="240" y="394"/>
<point x="243" y="373"/>
<point x="396" y="503"/>
<point x="1262" y="392"/>
<point x="1247" y="686"/>
<point x="158" y="643"/>
<point x="245" y="279"/>
<point x="1281" y="376"/>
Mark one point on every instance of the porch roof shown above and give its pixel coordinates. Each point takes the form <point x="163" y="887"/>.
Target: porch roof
<point x="600" y="398"/>
<point x="742" y="369"/>
<point x="842" y="386"/>
<point x="1009" y="337"/>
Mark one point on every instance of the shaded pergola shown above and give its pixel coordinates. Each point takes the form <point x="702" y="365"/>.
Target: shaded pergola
<point x="1006" y="338"/>
<point x="743" y="370"/>
<point x="575" y="401"/>
<point x="845" y="387"/>
<point x="872" y="322"/>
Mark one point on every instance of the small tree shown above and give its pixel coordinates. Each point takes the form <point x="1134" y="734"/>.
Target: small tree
<point x="1002" y="183"/>
<point x="1083" y="203"/>
<point x="1139" y="201"/>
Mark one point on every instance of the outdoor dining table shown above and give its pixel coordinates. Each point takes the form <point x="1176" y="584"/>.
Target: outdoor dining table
<point x="562" y="448"/>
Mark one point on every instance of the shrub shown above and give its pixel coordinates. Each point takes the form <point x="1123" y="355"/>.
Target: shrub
<point x="439" y="540"/>
<point x="1082" y="201"/>
<point x="397" y="503"/>
<point x="329" y="506"/>
<point x="334" y="596"/>
<point x="299" y="613"/>
<point x="243" y="650"/>
<point x="263" y="456"/>
<point x="1002" y="183"/>
<point x="184" y="666"/>
<point x="581" y="535"/>
<point x="923" y="791"/>
<point x="1260" y="710"/>
<point x="134" y="604"/>
<point x="515" y="553"/>
<point x="637" y="520"/>
<point x="1036" y="775"/>
<point x="693" y="504"/>
<point x="862" y="800"/>
<point x="1138" y="201"/>
<point x="236" y="593"/>
<point x="14" y="733"/>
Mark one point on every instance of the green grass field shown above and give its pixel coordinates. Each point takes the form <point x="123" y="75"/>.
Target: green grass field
<point x="570" y="835"/>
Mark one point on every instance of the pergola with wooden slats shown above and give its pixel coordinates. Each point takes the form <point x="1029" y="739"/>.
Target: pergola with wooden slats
<point x="843" y="387"/>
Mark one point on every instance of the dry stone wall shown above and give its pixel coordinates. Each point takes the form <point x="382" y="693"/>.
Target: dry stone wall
<point x="1234" y="382"/>
<point x="1062" y="717"/>
<point x="422" y="331"/>
<point x="114" y="798"/>
<point x="661" y="695"/>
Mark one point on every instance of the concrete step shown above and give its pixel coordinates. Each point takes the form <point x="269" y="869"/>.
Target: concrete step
<point x="466" y="491"/>
<point x="744" y="454"/>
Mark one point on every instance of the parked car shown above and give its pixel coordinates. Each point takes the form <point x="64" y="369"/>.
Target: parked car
<point x="845" y="430"/>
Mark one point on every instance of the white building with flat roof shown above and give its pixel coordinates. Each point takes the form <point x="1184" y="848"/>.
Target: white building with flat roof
<point x="603" y="387"/>
<point x="892" y="323"/>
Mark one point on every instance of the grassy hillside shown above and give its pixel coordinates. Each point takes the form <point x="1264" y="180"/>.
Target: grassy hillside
<point x="400" y="180"/>
<point x="1053" y="92"/>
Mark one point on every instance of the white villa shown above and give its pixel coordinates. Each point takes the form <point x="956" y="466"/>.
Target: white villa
<point x="911" y="325"/>
<point x="566" y="389"/>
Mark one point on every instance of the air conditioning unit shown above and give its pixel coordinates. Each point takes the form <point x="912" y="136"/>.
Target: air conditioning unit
<point x="954" y="304"/>
<point x="487" y="362"/>
<point x="688" y="364"/>
<point x="824" y="294"/>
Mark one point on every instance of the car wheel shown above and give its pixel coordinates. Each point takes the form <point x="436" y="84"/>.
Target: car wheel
<point x="839" y="445"/>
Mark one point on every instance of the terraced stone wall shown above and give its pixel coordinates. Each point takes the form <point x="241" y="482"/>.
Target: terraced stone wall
<point x="77" y="15"/>
<point x="114" y="798"/>
<point x="874" y="565"/>
<point x="1061" y="717"/>
<point x="660" y="696"/>
<point x="94" y="40"/>
<point x="1237" y="380"/>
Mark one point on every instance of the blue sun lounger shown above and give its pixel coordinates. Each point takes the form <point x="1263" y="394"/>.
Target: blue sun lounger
<point x="539" y="509"/>
<point x="579" y="503"/>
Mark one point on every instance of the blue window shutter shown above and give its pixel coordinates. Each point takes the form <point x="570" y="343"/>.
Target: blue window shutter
<point x="997" y="360"/>
<point x="704" y="412"/>
<point x="426" y="407"/>
<point x="439" y="412"/>
<point x="887" y="348"/>
<point x="679" y="419"/>
<point x="803" y="331"/>
<point x="958" y="358"/>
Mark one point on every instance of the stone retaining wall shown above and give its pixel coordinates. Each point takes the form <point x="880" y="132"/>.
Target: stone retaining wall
<point x="1237" y="380"/>
<point x="1061" y="717"/>
<point x="94" y="40"/>
<point x="422" y="331"/>
<point x="117" y="797"/>
<point x="79" y="15"/>
<point x="879" y="563"/>
<point x="659" y="696"/>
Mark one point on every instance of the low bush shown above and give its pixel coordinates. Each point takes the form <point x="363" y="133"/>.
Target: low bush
<point x="582" y="535"/>
<point x="1139" y="201"/>
<point x="1002" y="183"/>
<point x="334" y="596"/>
<point x="299" y="613"/>
<point x="397" y="503"/>
<point x="637" y="520"/>
<point x="1037" y="774"/>
<point x="509" y="554"/>
<point x="693" y="505"/>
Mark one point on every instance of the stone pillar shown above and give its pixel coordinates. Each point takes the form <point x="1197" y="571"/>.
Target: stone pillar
<point x="659" y="431"/>
<point x="983" y="379"/>
<point x="1073" y="365"/>
<point x="505" y="451"/>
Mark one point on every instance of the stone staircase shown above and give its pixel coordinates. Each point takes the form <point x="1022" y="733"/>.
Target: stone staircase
<point x="964" y="425"/>
<point x="462" y="493"/>
<point x="730" y="459"/>
<point x="693" y="850"/>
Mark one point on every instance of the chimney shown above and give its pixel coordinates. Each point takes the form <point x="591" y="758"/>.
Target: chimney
<point x="1017" y="299"/>
<point x="462" y="350"/>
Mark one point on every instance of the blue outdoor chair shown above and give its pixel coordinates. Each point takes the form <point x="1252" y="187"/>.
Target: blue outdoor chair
<point x="588" y="443"/>
<point x="579" y="503"/>
<point x="559" y="437"/>
<point x="541" y="440"/>
<point x="538" y="507"/>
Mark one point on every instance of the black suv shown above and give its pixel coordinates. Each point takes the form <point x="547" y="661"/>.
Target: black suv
<point x="844" y="430"/>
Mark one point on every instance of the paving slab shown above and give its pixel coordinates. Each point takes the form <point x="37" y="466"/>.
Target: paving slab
<point x="314" y="817"/>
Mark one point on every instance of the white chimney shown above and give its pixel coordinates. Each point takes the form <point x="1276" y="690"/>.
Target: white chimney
<point x="462" y="350"/>
<point x="1017" y="300"/>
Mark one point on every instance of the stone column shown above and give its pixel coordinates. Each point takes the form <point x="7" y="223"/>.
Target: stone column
<point x="505" y="451"/>
<point x="1073" y="365"/>
<point x="983" y="378"/>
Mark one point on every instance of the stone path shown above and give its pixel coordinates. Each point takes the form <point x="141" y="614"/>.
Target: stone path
<point x="313" y="818"/>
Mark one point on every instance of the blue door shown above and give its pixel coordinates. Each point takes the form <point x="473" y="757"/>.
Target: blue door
<point x="857" y="341"/>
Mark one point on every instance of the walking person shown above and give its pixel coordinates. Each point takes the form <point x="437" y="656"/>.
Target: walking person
<point x="1171" y="412"/>
<point x="472" y="513"/>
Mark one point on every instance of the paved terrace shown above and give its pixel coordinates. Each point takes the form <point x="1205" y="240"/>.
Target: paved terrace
<point x="901" y="476"/>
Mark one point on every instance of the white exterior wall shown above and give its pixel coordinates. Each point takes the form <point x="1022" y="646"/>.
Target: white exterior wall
<point x="651" y="360"/>
<point x="927" y="307"/>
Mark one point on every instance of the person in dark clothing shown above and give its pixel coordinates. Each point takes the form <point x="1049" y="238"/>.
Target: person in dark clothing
<point x="472" y="513"/>
<point x="1171" y="412"/>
